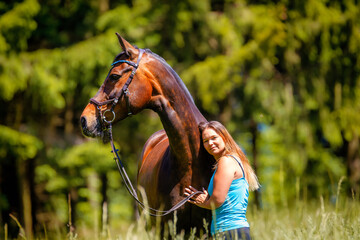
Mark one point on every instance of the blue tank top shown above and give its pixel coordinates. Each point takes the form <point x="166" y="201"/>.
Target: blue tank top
<point x="232" y="213"/>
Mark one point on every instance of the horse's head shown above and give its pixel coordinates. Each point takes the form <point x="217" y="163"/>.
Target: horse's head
<point x="126" y="90"/>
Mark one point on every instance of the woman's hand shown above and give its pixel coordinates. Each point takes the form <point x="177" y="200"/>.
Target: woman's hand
<point x="198" y="199"/>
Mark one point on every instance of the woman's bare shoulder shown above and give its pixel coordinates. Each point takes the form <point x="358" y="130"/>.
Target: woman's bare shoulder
<point x="229" y="157"/>
<point x="226" y="161"/>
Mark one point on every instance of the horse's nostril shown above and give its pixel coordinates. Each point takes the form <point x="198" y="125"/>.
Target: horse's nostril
<point x="83" y="122"/>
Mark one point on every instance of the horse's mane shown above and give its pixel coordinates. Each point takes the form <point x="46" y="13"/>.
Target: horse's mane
<point x="162" y="60"/>
<point x="178" y="79"/>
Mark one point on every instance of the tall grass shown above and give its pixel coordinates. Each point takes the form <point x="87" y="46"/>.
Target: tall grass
<point x="313" y="220"/>
<point x="321" y="219"/>
<point x="318" y="219"/>
<point x="304" y="220"/>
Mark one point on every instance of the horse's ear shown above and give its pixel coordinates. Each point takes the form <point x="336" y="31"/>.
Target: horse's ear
<point x="126" y="47"/>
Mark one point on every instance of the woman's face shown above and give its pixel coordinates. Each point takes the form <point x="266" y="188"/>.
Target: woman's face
<point x="213" y="143"/>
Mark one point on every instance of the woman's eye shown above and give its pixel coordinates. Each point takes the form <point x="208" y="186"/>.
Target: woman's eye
<point x="114" y="77"/>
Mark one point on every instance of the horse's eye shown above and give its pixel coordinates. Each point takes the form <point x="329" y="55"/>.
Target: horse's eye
<point x="114" y="77"/>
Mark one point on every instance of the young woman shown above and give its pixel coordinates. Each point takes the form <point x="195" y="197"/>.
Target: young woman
<point x="229" y="186"/>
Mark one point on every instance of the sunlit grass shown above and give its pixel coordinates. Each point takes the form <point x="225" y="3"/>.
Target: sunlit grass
<point x="317" y="219"/>
<point x="314" y="220"/>
<point x="320" y="219"/>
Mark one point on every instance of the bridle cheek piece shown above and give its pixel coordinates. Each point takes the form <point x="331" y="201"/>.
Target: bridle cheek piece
<point x="124" y="92"/>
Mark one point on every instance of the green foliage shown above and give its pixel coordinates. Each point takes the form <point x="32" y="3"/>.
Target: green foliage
<point x="91" y="154"/>
<point x="22" y="146"/>
<point x="290" y="68"/>
<point x="11" y="68"/>
<point x="17" y="25"/>
<point x="82" y="167"/>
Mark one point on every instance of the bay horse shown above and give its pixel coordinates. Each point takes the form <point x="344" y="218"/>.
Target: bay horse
<point x="172" y="158"/>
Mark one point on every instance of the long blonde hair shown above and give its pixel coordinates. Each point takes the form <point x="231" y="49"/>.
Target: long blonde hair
<point x="232" y="147"/>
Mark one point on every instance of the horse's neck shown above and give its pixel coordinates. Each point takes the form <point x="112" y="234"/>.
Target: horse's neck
<point x="180" y="118"/>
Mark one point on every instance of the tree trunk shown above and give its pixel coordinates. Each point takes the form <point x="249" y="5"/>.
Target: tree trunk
<point x="72" y="200"/>
<point x="104" y="203"/>
<point x="23" y="167"/>
<point x="103" y="6"/>
<point x="353" y="165"/>
<point x="9" y="188"/>
<point x="254" y="133"/>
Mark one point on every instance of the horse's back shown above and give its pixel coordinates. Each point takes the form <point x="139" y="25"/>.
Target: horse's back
<point x="149" y="166"/>
<point x="154" y="140"/>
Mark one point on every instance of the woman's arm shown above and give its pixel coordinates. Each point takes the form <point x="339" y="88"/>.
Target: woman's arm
<point x="222" y="180"/>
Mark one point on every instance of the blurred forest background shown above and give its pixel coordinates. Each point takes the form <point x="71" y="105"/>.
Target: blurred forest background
<point x="283" y="76"/>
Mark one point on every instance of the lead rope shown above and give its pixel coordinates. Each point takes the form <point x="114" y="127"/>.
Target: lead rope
<point x="132" y="191"/>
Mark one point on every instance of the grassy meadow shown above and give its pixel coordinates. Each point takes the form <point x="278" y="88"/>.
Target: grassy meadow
<point x="303" y="220"/>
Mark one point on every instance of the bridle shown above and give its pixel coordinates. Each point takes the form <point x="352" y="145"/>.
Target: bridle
<point x="125" y="91"/>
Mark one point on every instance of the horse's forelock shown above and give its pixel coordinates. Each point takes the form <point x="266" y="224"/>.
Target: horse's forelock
<point x="118" y="57"/>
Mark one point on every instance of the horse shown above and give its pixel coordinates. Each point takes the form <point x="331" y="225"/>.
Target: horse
<point x="172" y="158"/>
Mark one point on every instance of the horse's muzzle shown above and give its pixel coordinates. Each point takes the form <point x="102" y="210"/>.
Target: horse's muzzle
<point x="88" y="130"/>
<point x="95" y="130"/>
